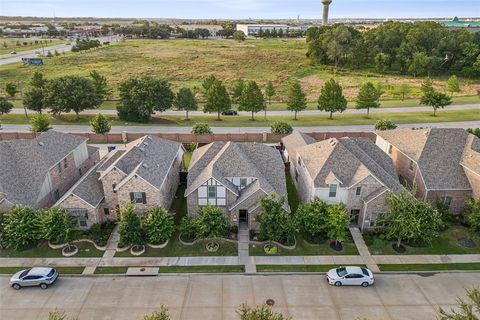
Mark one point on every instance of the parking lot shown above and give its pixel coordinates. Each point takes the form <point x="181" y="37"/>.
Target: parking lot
<point x="207" y="297"/>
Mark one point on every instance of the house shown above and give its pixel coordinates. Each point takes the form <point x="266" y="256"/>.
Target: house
<point x="38" y="172"/>
<point x="443" y="164"/>
<point x="234" y="177"/>
<point x="145" y="171"/>
<point x="353" y="171"/>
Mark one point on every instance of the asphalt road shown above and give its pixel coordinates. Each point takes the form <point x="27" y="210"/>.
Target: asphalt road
<point x="212" y="297"/>
<point x="9" y="58"/>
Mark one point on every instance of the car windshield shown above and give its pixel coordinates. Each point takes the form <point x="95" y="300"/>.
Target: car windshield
<point x="51" y="273"/>
<point x="24" y="273"/>
<point x="342" y="272"/>
<point x="365" y="272"/>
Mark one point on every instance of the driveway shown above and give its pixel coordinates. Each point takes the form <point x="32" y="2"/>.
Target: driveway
<point x="212" y="297"/>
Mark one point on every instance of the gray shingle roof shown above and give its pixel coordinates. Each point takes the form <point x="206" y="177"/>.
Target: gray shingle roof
<point x="349" y="160"/>
<point x="25" y="163"/>
<point x="228" y="159"/>
<point x="149" y="157"/>
<point x="438" y="152"/>
<point x="296" y="140"/>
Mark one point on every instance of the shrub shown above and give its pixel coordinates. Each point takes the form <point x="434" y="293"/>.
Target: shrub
<point x="188" y="229"/>
<point x="281" y="127"/>
<point x="57" y="226"/>
<point x="475" y="132"/>
<point x="264" y="312"/>
<point x="312" y="218"/>
<point x="100" y="124"/>
<point x="211" y="222"/>
<point x="130" y="229"/>
<point x="158" y="225"/>
<point x="201" y="128"/>
<point x="21" y="228"/>
<point x="383" y="125"/>
<point x="159" y="315"/>
<point x="472" y="216"/>
<point x="100" y="233"/>
<point x="39" y="123"/>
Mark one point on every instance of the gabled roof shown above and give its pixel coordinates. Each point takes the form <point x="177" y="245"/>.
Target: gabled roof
<point x="25" y="163"/>
<point x="149" y="157"/>
<point x="471" y="154"/>
<point x="438" y="153"/>
<point x="220" y="160"/>
<point x="349" y="160"/>
<point x="296" y="140"/>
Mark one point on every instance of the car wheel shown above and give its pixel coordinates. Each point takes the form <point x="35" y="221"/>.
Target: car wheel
<point x="16" y="286"/>
<point x="365" y="284"/>
<point x="338" y="284"/>
<point x="43" y="285"/>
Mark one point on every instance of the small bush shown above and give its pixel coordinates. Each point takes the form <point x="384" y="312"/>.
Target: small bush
<point x="188" y="229"/>
<point x="281" y="127"/>
<point x="39" y="123"/>
<point x="201" y="128"/>
<point x="383" y="125"/>
<point x="475" y="132"/>
<point x="100" y="124"/>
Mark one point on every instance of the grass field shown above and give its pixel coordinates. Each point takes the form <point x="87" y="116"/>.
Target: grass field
<point x="61" y="270"/>
<point x="296" y="268"/>
<point x="430" y="267"/>
<point x="188" y="62"/>
<point x="44" y="251"/>
<point x="7" y="45"/>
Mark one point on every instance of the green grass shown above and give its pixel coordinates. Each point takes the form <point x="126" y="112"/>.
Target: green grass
<point x="61" y="270"/>
<point x="111" y="270"/>
<point x="295" y="268"/>
<point x="202" y="269"/>
<point x="185" y="63"/>
<point x="446" y="243"/>
<point x="293" y="197"/>
<point x="244" y="121"/>
<point x="429" y="267"/>
<point x="12" y="45"/>
<point x="187" y="156"/>
<point x="85" y="250"/>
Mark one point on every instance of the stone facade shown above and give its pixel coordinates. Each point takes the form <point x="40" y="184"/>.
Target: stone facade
<point x="94" y="214"/>
<point x="372" y="210"/>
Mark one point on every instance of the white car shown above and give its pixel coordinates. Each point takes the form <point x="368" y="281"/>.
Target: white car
<point x="42" y="277"/>
<point x="13" y="52"/>
<point x="350" y="276"/>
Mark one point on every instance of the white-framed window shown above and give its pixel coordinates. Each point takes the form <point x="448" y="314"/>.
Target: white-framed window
<point x="447" y="201"/>
<point x="332" y="192"/>
<point x="243" y="183"/>
<point x="80" y="216"/>
<point x="138" y="197"/>
<point x="373" y="219"/>
<point x="358" y="191"/>
<point x="212" y="193"/>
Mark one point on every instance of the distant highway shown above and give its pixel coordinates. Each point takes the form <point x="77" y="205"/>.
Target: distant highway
<point x="13" y="58"/>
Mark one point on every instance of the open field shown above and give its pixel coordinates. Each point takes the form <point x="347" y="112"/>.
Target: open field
<point x="21" y="44"/>
<point x="188" y="62"/>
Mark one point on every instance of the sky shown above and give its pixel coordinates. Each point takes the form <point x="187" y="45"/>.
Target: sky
<point x="236" y="9"/>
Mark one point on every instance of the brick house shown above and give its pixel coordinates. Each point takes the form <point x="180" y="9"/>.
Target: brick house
<point x="441" y="164"/>
<point x="37" y="172"/>
<point x="352" y="171"/>
<point x="234" y="177"/>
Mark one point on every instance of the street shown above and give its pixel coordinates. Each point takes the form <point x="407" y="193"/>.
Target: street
<point x="205" y="297"/>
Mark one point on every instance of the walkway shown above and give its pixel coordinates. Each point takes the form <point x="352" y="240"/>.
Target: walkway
<point x="244" y="249"/>
<point x="363" y="249"/>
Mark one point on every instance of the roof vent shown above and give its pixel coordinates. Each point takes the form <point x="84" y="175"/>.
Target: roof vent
<point x="332" y="141"/>
<point x="149" y="138"/>
<point x="141" y="149"/>
<point x="41" y="143"/>
<point x="145" y="144"/>
<point x="145" y="166"/>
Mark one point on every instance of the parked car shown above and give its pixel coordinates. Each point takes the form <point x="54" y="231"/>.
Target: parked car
<point x="42" y="277"/>
<point x="350" y="276"/>
<point x="13" y="52"/>
<point x="230" y="113"/>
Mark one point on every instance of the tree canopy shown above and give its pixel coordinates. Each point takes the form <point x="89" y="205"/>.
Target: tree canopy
<point x="252" y="99"/>
<point x="297" y="99"/>
<point x="185" y="100"/>
<point x="368" y="97"/>
<point x="331" y="98"/>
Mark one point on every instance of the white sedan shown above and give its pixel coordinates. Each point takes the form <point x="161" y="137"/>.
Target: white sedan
<point x="350" y="276"/>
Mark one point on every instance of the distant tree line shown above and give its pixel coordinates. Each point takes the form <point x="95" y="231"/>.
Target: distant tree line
<point x="85" y="44"/>
<point x="280" y="33"/>
<point x="421" y="48"/>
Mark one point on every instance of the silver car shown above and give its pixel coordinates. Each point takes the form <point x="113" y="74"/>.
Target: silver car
<point x="42" y="277"/>
<point x="350" y="276"/>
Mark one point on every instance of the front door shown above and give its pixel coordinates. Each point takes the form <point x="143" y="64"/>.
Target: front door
<point x="355" y="215"/>
<point x="243" y="214"/>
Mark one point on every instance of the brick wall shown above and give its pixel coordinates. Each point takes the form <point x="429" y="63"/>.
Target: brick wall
<point x="458" y="199"/>
<point x="412" y="177"/>
<point x="94" y="215"/>
<point x="113" y="177"/>
<point x="474" y="182"/>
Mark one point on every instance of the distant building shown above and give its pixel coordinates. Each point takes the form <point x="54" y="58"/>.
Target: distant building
<point x="456" y="23"/>
<point x="254" y="29"/>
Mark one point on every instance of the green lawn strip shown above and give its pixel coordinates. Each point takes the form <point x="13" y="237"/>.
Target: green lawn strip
<point x="296" y="268"/>
<point x="429" y="267"/>
<point x="244" y="121"/>
<point x="202" y="269"/>
<point x="85" y="250"/>
<point x="61" y="270"/>
<point x="306" y="249"/>
<point x="21" y="48"/>
<point x="111" y="270"/>
<point x="446" y="243"/>
<point x="186" y="158"/>
<point x="293" y="197"/>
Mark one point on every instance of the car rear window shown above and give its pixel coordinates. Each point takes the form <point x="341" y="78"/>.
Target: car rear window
<point x="51" y="273"/>
<point x="365" y="271"/>
<point x="341" y="272"/>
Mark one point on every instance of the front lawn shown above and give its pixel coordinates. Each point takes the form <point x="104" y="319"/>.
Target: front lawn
<point x="429" y="267"/>
<point x="446" y="243"/>
<point x="111" y="270"/>
<point x="61" y="270"/>
<point x="85" y="250"/>
<point x="296" y="268"/>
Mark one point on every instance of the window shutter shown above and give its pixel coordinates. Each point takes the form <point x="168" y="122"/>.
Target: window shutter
<point x="144" y="195"/>
<point x="131" y="196"/>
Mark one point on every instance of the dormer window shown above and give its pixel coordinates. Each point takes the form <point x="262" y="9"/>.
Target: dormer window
<point x="243" y="183"/>
<point x="332" y="192"/>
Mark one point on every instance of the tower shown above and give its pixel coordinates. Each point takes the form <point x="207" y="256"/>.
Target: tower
<point x="326" y="5"/>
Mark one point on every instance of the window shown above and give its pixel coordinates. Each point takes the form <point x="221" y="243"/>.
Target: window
<point x="212" y="192"/>
<point x="390" y="149"/>
<point x="373" y="219"/>
<point x="411" y="165"/>
<point x="243" y="183"/>
<point x="358" y="191"/>
<point x="59" y="166"/>
<point x="113" y="187"/>
<point x="56" y="195"/>
<point x="138" y="197"/>
<point x="80" y="216"/>
<point x="80" y="171"/>
<point x="65" y="163"/>
<point x="82" y="221"/>
<point x="447" y="201"/>
<point x="333" y="191"/>
<point x="106" y="211"/>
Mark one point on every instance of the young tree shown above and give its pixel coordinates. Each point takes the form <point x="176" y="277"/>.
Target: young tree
<point x="252" y="99"/>
<point x="39" y="123"/>
<point x="338" y="220"/>
<point x="163" y="314"/>
<point x="419" y="64"/>
<point x="218" y="99"/>
<point x="57" y="226"/>
<point x="101" y="85"/>
<point x="453" y="85"/>
<point x="297" y="99"/>
<point x="130" y="227"/>
<point x="472" y="216"/>
<point x="436" y="100"/>
<point x="281" y="127"/>
<point x="259" y="313"/>
<point x="331" y="98"/>
<point x="158" y="225"/>
<point x="72" y="93"/>
<point x="208" y="83"/>
<point x="275" y="223"/>
<point x="140" y="97"/>
<point x="382" y="62"/>
<point x="100" y="124"/>
<point x="211" y="222"/>
<point x="21" y="228"/>
<point x="35" y="96"/>
<point x="466" y="310"/>
<point x="410" y="219"/>
<point x="201" y="128"/>
<point x="368" y="97"/>
<point x="185" y="100"/>
<point x="427" y="85"/>
<point x="238" y="87"/>
<point x="5" y="106"/>
<point x="239" y="36"/>
<point x="269" y="93"/>
<point x="11" y="89"/>
<point x="312" y="218"/>
<point x="402" y="91"/>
